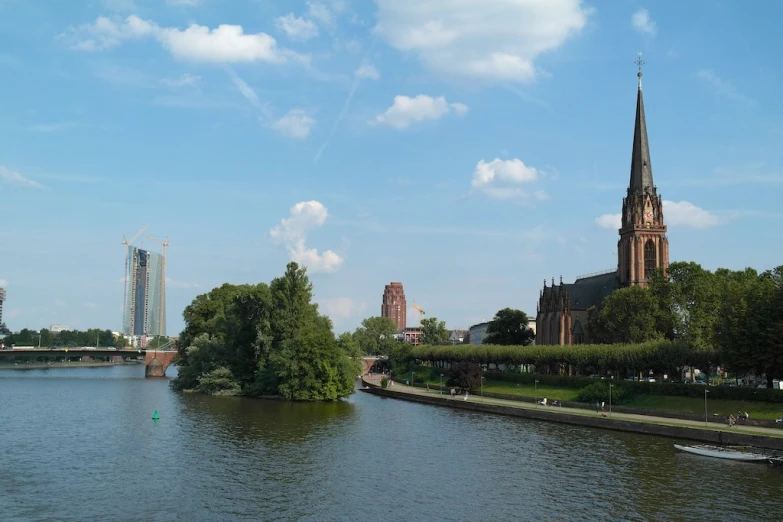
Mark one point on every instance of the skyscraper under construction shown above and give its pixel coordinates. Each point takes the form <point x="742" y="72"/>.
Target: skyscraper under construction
<point x="145" y="293"/>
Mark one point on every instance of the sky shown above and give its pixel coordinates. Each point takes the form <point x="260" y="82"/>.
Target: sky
<point x="469" y="149"/>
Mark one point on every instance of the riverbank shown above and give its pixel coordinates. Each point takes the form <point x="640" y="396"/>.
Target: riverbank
<point x="75" y="364"/>
<point x="758" y="436"/>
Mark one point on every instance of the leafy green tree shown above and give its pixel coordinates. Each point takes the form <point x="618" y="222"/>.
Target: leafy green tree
<point x="690" y="297"/>
<point x="627" y="315"/>
<point x="47" y="339"/>
<point x="300" y="359"/>
<point x="376" y="335"/>
<point x="350" y="346"/>
<point x="509" y="327"/>
<point x="433" y="332"/>
<point x="465" y="375"/>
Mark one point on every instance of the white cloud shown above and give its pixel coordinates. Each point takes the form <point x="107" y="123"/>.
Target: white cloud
<point x="223" y="44"/>
<point x="341" y="308"/>
<point x="14" y="178"/>
<point x="406" y="110"/>
<point x="189" y="3"/>
<point x="320" y="12"/>
<point x="500" y="179"/>
<point x="610" y="221"/>
<point x="247" y="91"/>
<point x="297" y="28"/>
<point x="686" y="214"/>
<point x="367" y="72"/>
<point x="172" y="283"/>
<point x="292" y="233"/>
<point x="3" y="282"/>
<point x="182" y="81"/>
<point x="489" y="40"/>
<point x="722" y="87"/>
<point x="295" y="124"/>
<point x="675" y="213"/>
<point x="642" y="22"/>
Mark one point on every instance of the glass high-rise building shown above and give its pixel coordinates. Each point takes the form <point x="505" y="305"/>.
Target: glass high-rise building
<point x="145" y="293"/>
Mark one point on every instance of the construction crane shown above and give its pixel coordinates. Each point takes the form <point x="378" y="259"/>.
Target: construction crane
<point x="418" y="309"/>
<point x="162" y="319"/>
<point x="128" y="243"/>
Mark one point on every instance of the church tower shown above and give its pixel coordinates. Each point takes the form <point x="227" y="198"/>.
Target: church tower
<point x="643" y="246"/>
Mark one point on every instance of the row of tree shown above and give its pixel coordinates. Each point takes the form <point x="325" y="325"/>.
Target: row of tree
<point x="378" y="335"/>
<point x="45" y="338"/>
<point x="738" y="315"/>
<point x="265" y="340"/>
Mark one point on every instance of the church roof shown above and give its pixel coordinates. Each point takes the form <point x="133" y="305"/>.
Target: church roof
<point x="641" y="166"/>
<point x="590" y="291"/>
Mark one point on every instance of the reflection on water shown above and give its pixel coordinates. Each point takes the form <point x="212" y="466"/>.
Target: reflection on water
<point x="80" y="444"/>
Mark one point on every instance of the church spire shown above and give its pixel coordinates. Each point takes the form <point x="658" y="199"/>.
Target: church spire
<point x="641" y="166"/>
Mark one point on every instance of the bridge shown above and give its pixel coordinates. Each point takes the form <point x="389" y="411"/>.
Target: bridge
<point x="156" y="361"/>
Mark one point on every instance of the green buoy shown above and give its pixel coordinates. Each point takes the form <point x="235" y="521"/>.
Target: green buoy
<point x="155" y="415"/>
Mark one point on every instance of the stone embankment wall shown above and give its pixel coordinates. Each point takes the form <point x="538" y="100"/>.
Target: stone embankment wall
<point x="680" y="432"/>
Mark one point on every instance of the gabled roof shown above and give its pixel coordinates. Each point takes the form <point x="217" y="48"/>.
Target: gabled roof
<point x="590" y="291"/>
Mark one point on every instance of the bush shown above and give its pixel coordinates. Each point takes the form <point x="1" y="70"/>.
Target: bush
<point x="219" y="381"/>
<point x="384" y="382"/>
<point x="599" y="392"/>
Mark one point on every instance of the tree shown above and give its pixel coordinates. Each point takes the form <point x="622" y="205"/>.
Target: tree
<point x="627" y="315"/>
<point x="376" y="335"/>
<point x="265" y="340"/>
<point x="689" y="298"/>
<point x="433" y="332"/>
<point x="464" y="375"/>
<point x="300" y="359"/>
<point x="509" y="327"/>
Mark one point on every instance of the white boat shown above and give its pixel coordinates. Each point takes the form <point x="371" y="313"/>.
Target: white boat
<point x="730" y="453"/>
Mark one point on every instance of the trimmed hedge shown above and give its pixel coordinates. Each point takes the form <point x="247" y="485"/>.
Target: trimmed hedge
<point x="659" y="356"/>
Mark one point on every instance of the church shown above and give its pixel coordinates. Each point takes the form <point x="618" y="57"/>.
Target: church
<point x="642" y="248"/>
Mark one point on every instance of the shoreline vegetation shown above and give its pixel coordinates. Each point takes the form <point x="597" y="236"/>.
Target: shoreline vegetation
<point x="265" y="341"/>
<point x="73" y="364"/>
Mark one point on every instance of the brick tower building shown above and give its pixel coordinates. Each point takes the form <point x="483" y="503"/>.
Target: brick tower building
<point x="394" y="306"/>
<point x="642" y="248"/>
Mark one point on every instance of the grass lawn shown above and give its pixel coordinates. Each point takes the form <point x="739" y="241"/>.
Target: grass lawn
<point x="756" y="410"/>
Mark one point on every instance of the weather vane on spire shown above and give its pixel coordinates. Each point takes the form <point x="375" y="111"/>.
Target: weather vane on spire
<point x="639" y="63"/>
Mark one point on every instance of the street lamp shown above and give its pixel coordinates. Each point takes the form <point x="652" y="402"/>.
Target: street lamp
<point x="412" y="374"/>
<point x="610" y="399"/>
<point x="441" y="384"/>
<point x="535" y="387"/>
<point x="706" y="391"/>
<point x="482" y="388"/>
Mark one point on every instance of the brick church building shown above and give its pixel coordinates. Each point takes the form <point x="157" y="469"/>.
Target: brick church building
<point x="642" y="248"/>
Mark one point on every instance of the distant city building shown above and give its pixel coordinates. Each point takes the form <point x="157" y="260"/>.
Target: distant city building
<point x="458" y="336"/>
<point x="55" y="328"/>
<point x="145" y="311"/>
<point x="642" y="248"/>
<point x="477" y="332"/>
<point x="411" y="335"/>
<point x="394" y="305"/>
<point x="2" y="299"/>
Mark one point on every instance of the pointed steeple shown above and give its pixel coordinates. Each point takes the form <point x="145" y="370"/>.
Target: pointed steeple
<point x="641" y="166"/>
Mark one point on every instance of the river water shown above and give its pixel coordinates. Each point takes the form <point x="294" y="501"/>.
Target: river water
<point x="80" y="444"/>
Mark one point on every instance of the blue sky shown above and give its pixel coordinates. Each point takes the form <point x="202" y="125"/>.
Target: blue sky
<point x="468" y="149"/>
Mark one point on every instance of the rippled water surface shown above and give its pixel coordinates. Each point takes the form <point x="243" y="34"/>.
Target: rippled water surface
<point x="80" y="444"/>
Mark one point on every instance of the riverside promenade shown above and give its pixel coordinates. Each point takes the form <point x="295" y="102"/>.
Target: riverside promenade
<point x="712" y="432"/>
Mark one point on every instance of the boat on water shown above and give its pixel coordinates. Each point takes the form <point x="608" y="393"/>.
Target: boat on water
<point x="724" y="452"/>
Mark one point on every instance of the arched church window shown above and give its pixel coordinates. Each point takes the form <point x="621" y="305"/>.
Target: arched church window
<point x="649" y="258"/>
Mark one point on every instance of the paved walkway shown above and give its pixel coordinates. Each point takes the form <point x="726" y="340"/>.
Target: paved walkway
<point x="669" y="421"/>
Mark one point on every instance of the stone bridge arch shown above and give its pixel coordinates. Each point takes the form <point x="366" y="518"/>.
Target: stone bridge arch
<point x="157" y="362"/>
